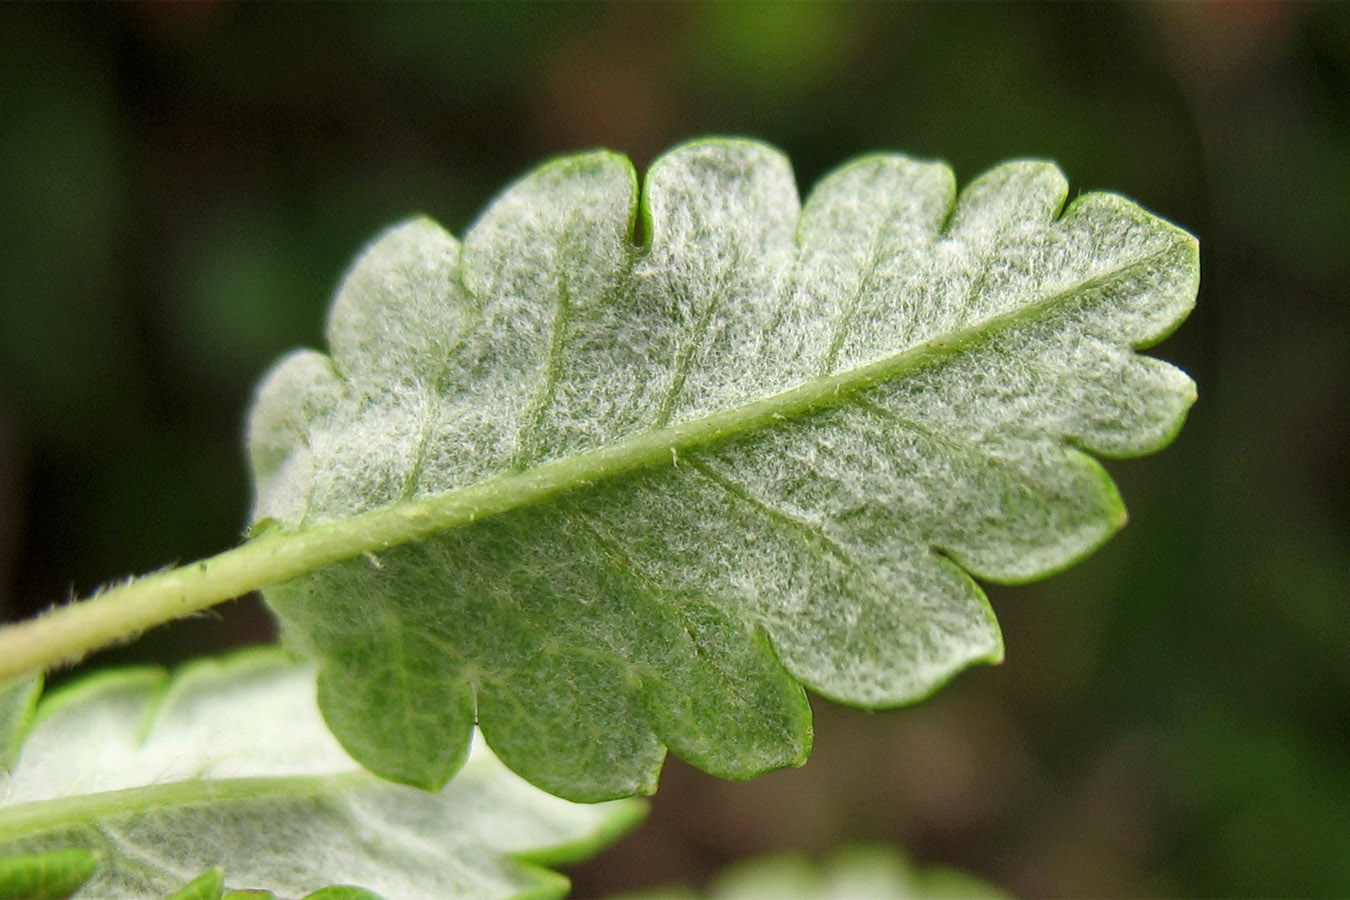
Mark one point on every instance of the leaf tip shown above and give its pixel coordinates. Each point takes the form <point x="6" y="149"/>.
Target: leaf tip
<point x="54" y="875"/>
<point x="18" y="702"/>
<point x="209" y="885"/>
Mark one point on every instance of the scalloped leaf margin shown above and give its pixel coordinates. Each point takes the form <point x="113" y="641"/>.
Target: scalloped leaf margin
<point x="665" y="487"/>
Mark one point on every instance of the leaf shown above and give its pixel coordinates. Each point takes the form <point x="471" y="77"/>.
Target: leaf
<point x="54" y="875"/>
<point x="342" y="892"/>
<point x="854" y="873"/>
<point x="17" y="699"/>
<point x="210" y="885"/>
<point x="227" y="770"/>
<point x="857" y="872"/>
<point x="667" y="485"/>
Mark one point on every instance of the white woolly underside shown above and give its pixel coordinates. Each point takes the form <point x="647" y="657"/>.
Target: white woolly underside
<point x="844" y="535"/>
<point x="256" y="718"/>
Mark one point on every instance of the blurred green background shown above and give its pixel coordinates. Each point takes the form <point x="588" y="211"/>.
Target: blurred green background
<point x="182" y="184"/>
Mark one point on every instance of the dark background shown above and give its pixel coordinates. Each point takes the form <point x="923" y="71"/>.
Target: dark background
<point x="181" y="185"/>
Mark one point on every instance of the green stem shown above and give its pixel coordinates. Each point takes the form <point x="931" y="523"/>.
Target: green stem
<point x="67" y="633"/>
<point x="58" y="813"/>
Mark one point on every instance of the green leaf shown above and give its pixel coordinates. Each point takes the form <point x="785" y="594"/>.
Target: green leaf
<point x="17" y="699"/>
<point x="343" y="892"/>
<point x="53" y="875"/>
<point x="854" y="873"/>
<point x="662" y="487"/>
<point x="228" y="768"/>
<point x="210" y="885"/>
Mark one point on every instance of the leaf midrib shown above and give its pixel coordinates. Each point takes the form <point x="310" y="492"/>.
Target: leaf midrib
<point x="39" y="816"/>
<point x="410" y="520"/>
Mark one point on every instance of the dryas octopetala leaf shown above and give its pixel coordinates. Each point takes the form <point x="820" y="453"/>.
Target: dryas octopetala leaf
<point x="694" y="448"/>
<point x="224" y="781"/>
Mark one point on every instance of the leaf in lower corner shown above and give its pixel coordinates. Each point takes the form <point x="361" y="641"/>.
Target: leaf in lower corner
<point x="675" y="483"/>
<point x="343" y="892"/>
<point x="210" y="885"/>
<point x="863" y="872"/>
<point x="53" y="875"/>
<point x="228" y="767"/>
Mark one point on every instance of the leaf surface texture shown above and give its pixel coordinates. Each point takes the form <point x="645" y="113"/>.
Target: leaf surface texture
<point x="130" y="785"/>
<point x="769" y="446"/>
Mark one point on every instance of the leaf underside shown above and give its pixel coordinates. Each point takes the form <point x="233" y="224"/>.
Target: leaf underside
<point x="224" y="781"/>
<point x="771" y="445"/>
